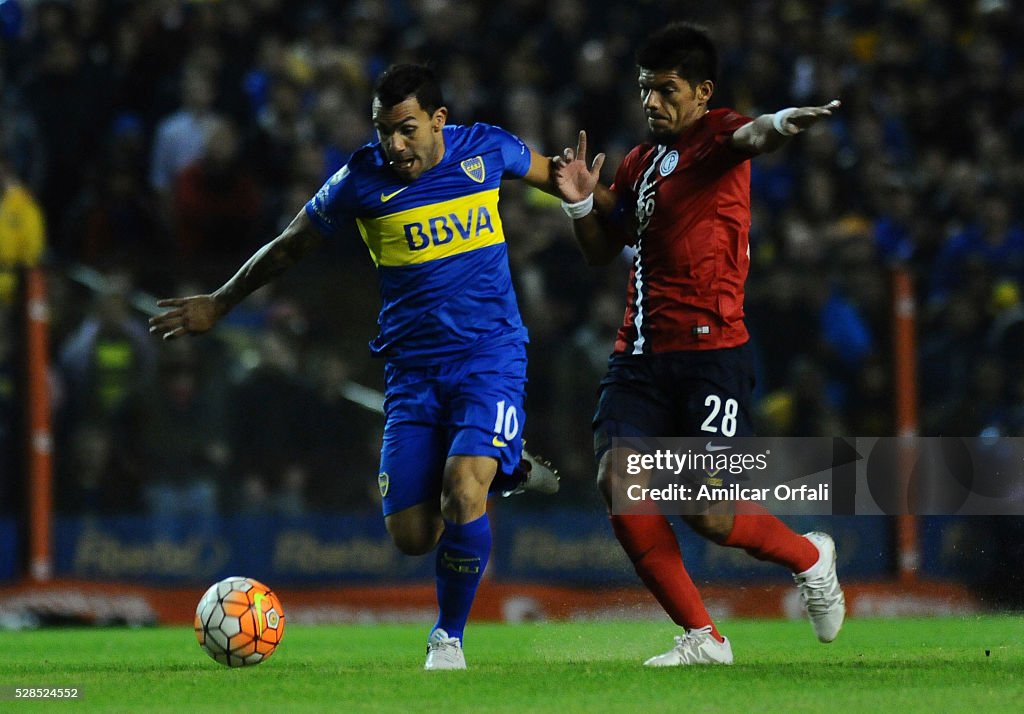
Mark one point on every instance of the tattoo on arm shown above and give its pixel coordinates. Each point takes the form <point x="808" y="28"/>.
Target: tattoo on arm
<point x="269" y="262"/>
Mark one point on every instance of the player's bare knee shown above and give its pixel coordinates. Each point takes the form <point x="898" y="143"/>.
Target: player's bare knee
<point x="606" y="479"/>
<point x="715" y="528"/>
<point x="413" y="543"/>
<point x="414" y="536"/>
<point x="461" y="500"/>
<point x="604" y="486"/>
<point x="464" y="489"/>
<point x="717" y="534"/>
<point x="461" y="494"/>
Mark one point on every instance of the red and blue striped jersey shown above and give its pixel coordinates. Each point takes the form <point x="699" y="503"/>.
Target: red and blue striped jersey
<point x="689" y="208"/>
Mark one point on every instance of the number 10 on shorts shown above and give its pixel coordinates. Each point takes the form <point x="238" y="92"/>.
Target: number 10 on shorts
<point x="506" y="422"/>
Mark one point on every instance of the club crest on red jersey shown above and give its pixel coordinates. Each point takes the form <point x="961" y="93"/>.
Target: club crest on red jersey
<point x="669" y="163"/>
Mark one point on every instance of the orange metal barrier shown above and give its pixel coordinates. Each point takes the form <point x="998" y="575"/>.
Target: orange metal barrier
<point x="904" y="310"/>
<point x="39" y="445"/>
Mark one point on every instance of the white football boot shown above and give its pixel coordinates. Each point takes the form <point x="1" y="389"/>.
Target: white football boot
<point x="541" y="476"/>
<point x="820" y="591"/>
<point x="444" y="652"/>
<point x="695" y="647"/>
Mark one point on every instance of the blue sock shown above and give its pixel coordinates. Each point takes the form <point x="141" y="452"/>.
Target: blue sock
<point x="461" y="558"/>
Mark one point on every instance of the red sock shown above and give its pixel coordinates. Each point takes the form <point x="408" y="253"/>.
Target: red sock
<point x="651" y="544"/>
<point x="767" y="538"/>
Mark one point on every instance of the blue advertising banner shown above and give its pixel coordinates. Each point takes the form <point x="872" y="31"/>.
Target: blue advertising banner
<point x="558" y="546"/>
<point x="313" y="549"/>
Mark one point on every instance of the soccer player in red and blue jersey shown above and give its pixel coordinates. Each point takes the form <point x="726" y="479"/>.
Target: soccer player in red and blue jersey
<point x="682" y="364"/>
<point x="424" y="198"/>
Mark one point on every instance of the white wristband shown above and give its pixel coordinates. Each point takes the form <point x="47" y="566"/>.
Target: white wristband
<point x="779" y="117"/>
<point x="580" y="208"/>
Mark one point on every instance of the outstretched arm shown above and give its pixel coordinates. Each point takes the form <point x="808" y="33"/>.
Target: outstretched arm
<point x="541" y="173"/>
<point x="199" y="313"/>
<point x="544" y="170"/>
<point x="588" y="203"/>
<point x="770" y="131"/>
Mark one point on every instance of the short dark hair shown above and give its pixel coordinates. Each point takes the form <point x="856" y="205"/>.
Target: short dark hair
<point x="401" y="81"/>
<point x="682" y="47"/>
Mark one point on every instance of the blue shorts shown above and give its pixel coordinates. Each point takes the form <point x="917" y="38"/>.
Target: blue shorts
<point x="690" y="393"/>
<point x="467" y="407"/>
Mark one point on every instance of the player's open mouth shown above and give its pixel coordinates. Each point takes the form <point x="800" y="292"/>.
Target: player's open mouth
<point x="403" y="164"/>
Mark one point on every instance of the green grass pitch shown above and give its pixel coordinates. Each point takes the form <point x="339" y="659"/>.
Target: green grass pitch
<point x="972" y="665"/>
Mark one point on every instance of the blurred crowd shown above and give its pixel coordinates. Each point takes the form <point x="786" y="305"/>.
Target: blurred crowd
<point x="161" y="142"/>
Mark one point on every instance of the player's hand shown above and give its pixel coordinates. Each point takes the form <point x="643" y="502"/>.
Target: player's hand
<point x="802" y="118"/>
<point x="187" y="316"/>
<point x="573" y="178"/>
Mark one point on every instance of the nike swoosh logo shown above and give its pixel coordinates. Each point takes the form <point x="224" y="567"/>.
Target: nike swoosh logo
<point x="499" y="443"/>
<point x="385" y="197"/>
<point x="712" y="447"/>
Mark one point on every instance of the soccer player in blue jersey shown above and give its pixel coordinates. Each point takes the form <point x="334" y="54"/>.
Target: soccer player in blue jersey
<point x="425" y="200"/>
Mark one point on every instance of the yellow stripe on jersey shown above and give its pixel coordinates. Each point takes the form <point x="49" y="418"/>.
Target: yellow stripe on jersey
<point x="436" y="230"/>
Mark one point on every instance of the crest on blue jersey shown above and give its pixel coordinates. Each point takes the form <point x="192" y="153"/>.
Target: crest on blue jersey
<point x="383" y="482"/>
<point x="474" y="168"/>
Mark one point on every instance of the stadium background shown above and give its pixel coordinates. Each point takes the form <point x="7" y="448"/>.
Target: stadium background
<point x="164" y="141"/>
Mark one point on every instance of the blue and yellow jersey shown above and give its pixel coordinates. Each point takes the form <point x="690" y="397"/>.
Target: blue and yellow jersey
<point x="437" y="242"/>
